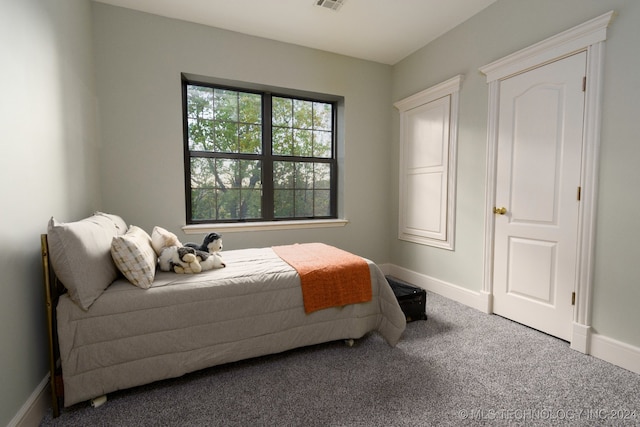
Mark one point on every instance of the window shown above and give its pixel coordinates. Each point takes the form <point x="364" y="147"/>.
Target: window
<point x="254" y="155"/>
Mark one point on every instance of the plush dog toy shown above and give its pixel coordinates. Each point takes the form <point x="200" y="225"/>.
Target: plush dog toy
<point x="211" y="243"/>
<point x="179" y="259"/>
<point x="211" y="246"/>
<point x="173" y="256"/>
<point x="208" y="260"/>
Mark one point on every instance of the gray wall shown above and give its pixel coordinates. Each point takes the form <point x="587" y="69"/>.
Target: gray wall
<point x="139" y="58"/>
<point x="503" y="28"/>
<point x="48" y="167"/>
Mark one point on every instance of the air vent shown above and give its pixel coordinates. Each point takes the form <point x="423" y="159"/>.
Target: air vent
<point x="334" y="5"/>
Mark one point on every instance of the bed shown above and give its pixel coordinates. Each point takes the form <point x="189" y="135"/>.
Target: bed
<point x="130" y="335"/>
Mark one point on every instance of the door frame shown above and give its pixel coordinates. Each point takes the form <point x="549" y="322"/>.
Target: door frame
<point x="590" y="37"/>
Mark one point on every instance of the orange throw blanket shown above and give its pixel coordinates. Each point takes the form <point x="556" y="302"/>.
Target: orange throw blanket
<point x="330" y="277"/>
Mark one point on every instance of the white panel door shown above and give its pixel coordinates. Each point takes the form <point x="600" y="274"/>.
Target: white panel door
<point x="538" y="176"/>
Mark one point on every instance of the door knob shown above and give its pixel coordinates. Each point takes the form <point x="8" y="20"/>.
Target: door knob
<point x="500" y="211"/>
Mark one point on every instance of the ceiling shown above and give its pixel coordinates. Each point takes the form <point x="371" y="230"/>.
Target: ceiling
<point x="384" y="31"/>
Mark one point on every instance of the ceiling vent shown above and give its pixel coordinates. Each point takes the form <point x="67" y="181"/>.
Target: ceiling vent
<point x="334" y="5"/>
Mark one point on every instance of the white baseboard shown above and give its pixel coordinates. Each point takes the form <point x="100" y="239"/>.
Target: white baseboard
<point x="583" y="339"/>
<point x="35" y="408"/>
<point x="477" y="300"/>
<point x="620" y="354"/>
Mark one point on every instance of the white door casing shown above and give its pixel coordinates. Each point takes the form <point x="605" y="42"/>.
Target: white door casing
<point x="588" y="37"/>
<point x="537" y="180"/>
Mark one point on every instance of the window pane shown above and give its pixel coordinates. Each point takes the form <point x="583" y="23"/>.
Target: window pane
<point x="302" y="143"/>
<point x="225" y="104"/>
<point x="304" y="190"/>
<point x="225" y="173"/>
<point x="203" y="193"/>
<point x="249" y="174"/>
<point x="302" y="114"/>
<point x="199" y="115"/>
<point x="229" y="204"/>
<point x="283" y="175"/>
<point x="283" y="203"/>
<point x="282" y="112"/>
<point x="304" y="175"/>
<point x="203" y="204"/>
<point x="282" y="142"/>
<point x="321" y="144"/>
<point x="226" y="189"/>
<point x="200" y="134"/>
<point x="322" y="116"/>
<point x="202" y="172"/>
<point x="304" y="203"/>
<point x="322" y="203"/>
<point x="226" y="137"/>
<point x="322" y="176"/>
<point x="251" y="204"/>
<point x="199" y="102"/>
<point x="250" y="139"/>
<point x="250" y="108"/>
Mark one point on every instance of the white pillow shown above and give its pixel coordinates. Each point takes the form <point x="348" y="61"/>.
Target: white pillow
<point x="118" y="222"/>
<point x="80" y="255"/>
<point x="134" y="256"/>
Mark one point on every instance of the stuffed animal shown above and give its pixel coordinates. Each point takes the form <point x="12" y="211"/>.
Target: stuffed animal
<point x="173" y="256"/>
<point x="179" y="259"/>
<point x="211" y="243"/>
<point x="209" y="260"/>
<point x="161" y="239"/>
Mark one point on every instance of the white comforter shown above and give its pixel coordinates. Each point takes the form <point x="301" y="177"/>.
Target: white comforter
<point x="183" y="323"/>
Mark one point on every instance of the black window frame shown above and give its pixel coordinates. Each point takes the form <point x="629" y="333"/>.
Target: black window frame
<point x="266" y="157"/>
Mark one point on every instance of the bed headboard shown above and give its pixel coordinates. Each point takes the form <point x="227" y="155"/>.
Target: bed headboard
<point x="53" y="290"/>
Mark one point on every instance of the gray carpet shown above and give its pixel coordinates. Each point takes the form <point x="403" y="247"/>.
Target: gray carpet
<point x="460" y="367"/>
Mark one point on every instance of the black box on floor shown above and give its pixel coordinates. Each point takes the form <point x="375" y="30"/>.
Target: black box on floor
<point x="412" y="299"/>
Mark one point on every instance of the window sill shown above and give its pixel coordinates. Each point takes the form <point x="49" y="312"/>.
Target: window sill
<point x="263" y="226"/>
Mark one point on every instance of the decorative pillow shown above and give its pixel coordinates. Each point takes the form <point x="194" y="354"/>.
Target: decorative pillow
<point x="80" y="254"/>
<point x="161" y="238"/>
<point x="134" y="257"/>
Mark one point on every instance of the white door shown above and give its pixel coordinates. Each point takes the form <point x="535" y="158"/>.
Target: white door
<point x="537" y="195"/>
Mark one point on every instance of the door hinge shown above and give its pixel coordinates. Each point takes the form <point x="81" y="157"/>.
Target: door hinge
<point x="584" y="84"/>
<point x="573" y="298"/>
<point x="579" y="195"/>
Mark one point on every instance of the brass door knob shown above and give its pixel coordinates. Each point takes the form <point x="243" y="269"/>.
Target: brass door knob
<point x="500" y="211"/>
